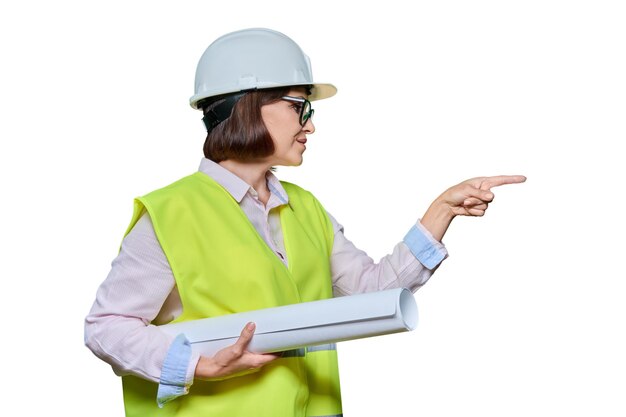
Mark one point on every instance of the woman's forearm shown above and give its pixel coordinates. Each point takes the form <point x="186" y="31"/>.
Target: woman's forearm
<point x="437" y="219"/>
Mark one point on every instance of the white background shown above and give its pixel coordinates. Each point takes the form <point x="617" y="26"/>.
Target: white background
<point x="526" y="317"/>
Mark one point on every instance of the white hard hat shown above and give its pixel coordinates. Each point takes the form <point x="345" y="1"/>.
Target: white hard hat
<point x="253" y="59"/>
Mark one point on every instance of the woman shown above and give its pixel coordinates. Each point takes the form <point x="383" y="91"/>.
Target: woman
<point x="232" y="238"/>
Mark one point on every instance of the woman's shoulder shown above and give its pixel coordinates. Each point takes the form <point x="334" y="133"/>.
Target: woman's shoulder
<point x="299" y="196"/>
<point x="188" y="183"/>
<point x="294" y="190"/>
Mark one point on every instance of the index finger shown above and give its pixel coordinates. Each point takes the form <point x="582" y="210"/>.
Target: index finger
<point x="498" y="180"/>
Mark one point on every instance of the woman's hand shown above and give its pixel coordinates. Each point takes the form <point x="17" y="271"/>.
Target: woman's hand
<point x="233" y="360"/>
<point x="469" y="198"/>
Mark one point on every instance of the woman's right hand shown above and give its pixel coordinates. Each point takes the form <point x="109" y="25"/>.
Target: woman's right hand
<point x="469" y="198"/>
<point x="234" y="360"/>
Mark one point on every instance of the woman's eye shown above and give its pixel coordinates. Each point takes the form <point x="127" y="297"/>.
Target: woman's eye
<point x="297" y="108"/>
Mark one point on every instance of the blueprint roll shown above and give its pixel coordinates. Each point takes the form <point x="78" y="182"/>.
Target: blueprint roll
<point x="305" y="324"/>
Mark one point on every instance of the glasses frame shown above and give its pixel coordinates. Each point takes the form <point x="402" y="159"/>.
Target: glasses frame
<point x="304" y="117"/>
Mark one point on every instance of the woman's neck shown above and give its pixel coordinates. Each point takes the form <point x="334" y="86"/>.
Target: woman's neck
<point x="252" y="173"/>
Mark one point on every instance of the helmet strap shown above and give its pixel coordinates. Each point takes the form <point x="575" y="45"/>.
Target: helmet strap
<point x="221" y="112"/>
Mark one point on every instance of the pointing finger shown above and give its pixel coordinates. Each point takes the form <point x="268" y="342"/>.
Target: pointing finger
<point x="498" y="180"/>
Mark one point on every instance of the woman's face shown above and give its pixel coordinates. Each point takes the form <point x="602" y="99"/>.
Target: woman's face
<point x="282" y="120"/>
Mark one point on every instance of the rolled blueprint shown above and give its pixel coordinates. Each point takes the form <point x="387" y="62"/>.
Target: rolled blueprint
<point x="305" y="324"/>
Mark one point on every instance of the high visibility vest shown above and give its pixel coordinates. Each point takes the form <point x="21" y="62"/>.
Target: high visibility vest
<point x="223" y="266"/>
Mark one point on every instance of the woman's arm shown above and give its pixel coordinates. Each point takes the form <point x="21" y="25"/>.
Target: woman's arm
<point x="118" y="329"/>
<point x="413" y="260"/>
<point x="410" y="264"/>
<point x="139" y="290"/>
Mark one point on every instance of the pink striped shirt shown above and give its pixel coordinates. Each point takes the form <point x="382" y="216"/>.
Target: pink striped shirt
<point x="140" y="291"/>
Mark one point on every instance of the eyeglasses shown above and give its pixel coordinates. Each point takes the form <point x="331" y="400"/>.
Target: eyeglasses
<point x="306" y="112"/>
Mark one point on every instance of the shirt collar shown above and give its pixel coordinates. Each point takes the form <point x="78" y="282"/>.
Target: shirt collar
<point x="237" y="187"/>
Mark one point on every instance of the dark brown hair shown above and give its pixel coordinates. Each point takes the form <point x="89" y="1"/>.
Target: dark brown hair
<point x="243" y="136"/>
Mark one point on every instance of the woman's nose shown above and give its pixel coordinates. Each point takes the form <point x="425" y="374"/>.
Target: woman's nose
<point x="309" y="127"/>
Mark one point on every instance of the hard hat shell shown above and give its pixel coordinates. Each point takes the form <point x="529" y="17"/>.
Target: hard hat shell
<point x="252" y="59"/>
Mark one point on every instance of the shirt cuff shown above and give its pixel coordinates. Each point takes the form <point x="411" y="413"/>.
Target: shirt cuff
<point x="424" y="246"/>
<point x="174" y="378"/>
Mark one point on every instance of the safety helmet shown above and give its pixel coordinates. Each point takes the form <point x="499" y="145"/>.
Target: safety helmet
<point x="253" y="59"/>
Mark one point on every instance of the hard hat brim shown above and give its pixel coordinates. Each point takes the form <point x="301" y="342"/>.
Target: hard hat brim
<point x="322" y="91"/>
<point x="318" y="92"/>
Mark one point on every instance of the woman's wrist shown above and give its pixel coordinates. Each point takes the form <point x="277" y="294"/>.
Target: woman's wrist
<point x="437" y="218"/>
<point x="205" y="369"/>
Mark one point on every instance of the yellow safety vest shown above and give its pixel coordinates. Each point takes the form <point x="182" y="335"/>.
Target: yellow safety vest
<point x="222" y="266"/>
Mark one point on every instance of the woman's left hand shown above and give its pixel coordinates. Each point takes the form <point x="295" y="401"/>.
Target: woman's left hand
<point x="469" y="198"/>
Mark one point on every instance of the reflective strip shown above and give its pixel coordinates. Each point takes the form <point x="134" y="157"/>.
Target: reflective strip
<point x="331" y="346"/>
